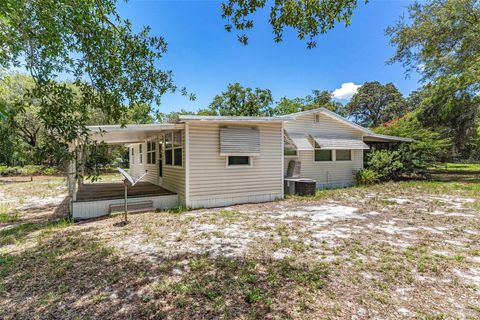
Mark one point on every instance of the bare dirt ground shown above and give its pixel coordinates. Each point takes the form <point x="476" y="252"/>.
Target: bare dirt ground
<point x="391" y="251"/>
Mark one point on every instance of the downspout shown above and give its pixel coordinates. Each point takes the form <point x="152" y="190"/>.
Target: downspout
<point x="187" y="165"/>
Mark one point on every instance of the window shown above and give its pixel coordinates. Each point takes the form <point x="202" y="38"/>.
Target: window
<point x="160" y="163"/>
<point x="173" y="148"/>
<point x="133" y="155"/>
<point x="289" y="152"/>
<point x="343" y="155"/>
<point x="140" y="151"/>
<point x="177" y="156"/>
<point x="151" y="152"/>
<point x="317" y="118"/>
<point x="323" y="155"/>
<point x="238" y="161"/>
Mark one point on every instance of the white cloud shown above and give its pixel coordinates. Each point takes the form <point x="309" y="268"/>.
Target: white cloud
<point x="346" y="90"/>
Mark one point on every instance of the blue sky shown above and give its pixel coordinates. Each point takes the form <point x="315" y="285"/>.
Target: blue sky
<point x="205" y="58"/>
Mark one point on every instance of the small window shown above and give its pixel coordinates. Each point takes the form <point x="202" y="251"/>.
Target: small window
<point x="133" y="155"/>
<point x="151" y="152"/>
<point x="317" y="118"/>
<point x="323" y="155"/>
<point x="177" y="139"/>
<point x="343" y="155"/>
<point x="238" y="160"/>
<point x="289" y="152"/>
<point x="140" y="151"/>
<point x="168" y="140"/>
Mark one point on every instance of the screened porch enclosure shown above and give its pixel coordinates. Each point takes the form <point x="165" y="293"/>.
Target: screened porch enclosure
<point x="90" y="200"/>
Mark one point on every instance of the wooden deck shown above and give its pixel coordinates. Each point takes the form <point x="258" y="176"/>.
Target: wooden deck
<point x="111" y="191"/>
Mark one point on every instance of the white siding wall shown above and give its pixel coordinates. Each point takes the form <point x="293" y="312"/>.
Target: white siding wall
<point x="332" y="173"/>
<point x="327" y="127"/>
<point x="212" y="183"/>
<point x="174" y="176"/>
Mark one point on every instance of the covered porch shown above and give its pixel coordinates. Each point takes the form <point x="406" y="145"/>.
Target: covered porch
<point x="91" y="200"/>
<point x="99" y="199"/>
<point x="113" y="190"/>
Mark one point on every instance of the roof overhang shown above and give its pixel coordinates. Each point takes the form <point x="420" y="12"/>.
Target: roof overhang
<point x="130" y="133"/>
<point x="301" y="141"/>
<point x="375" y="137"/>
<point x="189" y="118"/>
<point x="340" y="144"/>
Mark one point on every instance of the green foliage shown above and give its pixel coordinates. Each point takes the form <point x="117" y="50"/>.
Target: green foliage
<point x="319" y="98"/>
<point x="253" y="295"/>
<point x="375" y="104"/>
<point x="138" y="113"/>
<point x="308" y="18"/>
<point x="240" y="101"/>
<point x="26" y="139"/>
<point x="111" y="66"/>
<point x="386" y="164"/>
<point x="28" y="170"/>
<point x="440" y="39"/>
<point x="365" y="177"/>
<point x="50" y="171"/>
<point x="427" y="147"/>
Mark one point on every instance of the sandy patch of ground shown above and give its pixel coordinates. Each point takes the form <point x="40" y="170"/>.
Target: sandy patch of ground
<point x="391" y="251"/>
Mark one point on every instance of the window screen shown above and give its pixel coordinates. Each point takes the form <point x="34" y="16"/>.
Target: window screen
<point x="238" y="160"/>
<point x="343" y="155"/>
<point x="323" y="155"/>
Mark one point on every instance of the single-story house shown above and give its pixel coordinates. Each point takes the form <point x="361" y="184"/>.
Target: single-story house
<point x="214" y="161"/>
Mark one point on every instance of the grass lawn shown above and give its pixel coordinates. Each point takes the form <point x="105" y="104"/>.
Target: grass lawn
<point x="457" y="167"/>
<point x="395" y="250"/>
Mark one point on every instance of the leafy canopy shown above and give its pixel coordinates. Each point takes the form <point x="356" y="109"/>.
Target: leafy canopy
<point x="428" y="145"/>
<point x="318" y="98"/>
<point x="440" y="39"/>
<point x="241" y="101"/>
<point x="375" y="104"/>
<point x="308" y="17"/>
<point x="111" y="65"/>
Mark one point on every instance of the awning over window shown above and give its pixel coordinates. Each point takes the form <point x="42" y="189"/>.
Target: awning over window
<point x="340" y="144"/>
<point x="241" y="141"/>
<point x="300" y="140"/>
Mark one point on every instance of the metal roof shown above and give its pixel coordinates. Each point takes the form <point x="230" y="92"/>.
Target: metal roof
<point x="134" y="127"/>
<point x="300" y="140"/>
<point x="184" y="118"/>
<point x="375" y="137"/>
<point x="130" y="133"/>
<point x="340" y="144"/>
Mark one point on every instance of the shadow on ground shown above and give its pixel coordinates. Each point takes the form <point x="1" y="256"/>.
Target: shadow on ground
<point x="32" y="220"/>
<point x="76" y="276"/>
<point x="455" y="176"/>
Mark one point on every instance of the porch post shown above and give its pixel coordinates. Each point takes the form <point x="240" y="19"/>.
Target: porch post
<point x="72" y="173"/>
<point x="82" y="159"/>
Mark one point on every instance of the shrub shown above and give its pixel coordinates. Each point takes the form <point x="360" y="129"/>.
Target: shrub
<point x="386" y="164"/>
<point x="49" y="171"/>
<point x="428" y="145"/>
<point x="365" y="177"/>
<point x="28" y="170"/>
